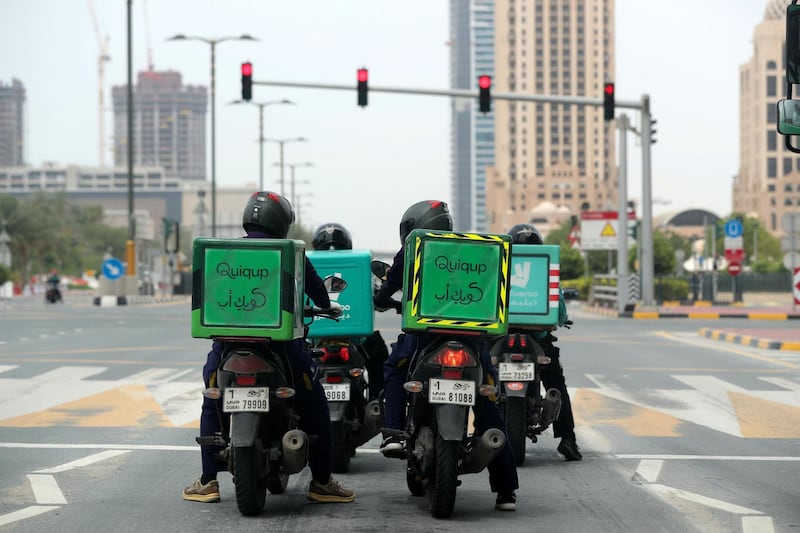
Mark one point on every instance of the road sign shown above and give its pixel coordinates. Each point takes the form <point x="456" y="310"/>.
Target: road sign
<point x="791" y="222"/>
<point x="734" y="256"/>
<point x="733" y="243"/>
<point x="733" y="228"/>
<point x="734" y="268"/>
<point x="113" y="268"/>
<point x="788" y="243"/>
<point x="600" y="230"/>
<point x="796" y="285"/>
<point x="791" y="260"/>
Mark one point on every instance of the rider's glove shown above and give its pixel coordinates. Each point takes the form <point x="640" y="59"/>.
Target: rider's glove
<point x="335" y="308"/>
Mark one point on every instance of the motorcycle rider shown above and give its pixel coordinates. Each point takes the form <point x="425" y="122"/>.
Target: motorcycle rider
<point x="269" y="215"/>
<point x="553" y="373"/>
<point x="333" y="236"/>
<point x="53" y="291"/>
<point x="435" y="215"/>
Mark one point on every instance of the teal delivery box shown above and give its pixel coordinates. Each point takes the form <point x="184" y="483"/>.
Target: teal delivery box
<point x="535" y="271"/>
<point x="353" y="266"/>
<point x="456" y="281"/>
<point x="248" y="288"/>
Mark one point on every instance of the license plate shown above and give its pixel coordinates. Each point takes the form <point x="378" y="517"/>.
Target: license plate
<point x="516" y="371"/>
<point x="246" y="399"/>
<point x="337" y="392"/>
<point x="451" y="391"/>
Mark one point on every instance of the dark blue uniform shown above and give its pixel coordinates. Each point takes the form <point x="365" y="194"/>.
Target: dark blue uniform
<point x="502" y="471"/>
<point x="310" y="401"/>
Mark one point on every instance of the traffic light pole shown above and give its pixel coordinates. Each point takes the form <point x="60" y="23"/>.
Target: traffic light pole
<point x="642" y="106"/>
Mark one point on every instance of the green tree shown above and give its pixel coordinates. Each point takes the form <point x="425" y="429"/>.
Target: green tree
<point x="664" y="261"/>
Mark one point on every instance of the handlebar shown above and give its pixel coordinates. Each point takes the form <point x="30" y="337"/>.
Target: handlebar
<point x="332" y="314"/>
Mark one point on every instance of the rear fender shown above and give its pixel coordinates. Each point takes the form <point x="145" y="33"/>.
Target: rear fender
<point x="337" y="410"/>
<point x="451" y="421"/>
<point x="244" y="428"/>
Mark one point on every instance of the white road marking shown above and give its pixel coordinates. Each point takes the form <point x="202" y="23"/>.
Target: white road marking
<point x="45" y="489"/>
<point x="703" y="500"/>
<point x="790" y="384"/>
<point x="6" y="368"/>
<point x="96" y="458"/>
<point x="649" y="469"/>
<point x="668" y="457"/>
<point x="155" y="447"/>
<point x="28" y="512"/>
<point x="757" y="524"/>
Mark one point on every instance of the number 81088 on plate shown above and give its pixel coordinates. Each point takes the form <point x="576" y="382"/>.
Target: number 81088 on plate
<point x="451" y="391"/>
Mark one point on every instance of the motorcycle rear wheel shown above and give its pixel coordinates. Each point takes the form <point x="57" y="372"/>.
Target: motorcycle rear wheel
<point x="516" y="426"/>
<point x="416" y="486"/>
<point x="442" y="487"/>
<point x="251" y="488"/>
<point x="340" y="453"/>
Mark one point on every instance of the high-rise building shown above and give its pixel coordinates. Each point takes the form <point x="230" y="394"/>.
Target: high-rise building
<point x="472" y="132"/>
<point x="556" y="157"/>
<point x="768" y="182"/>
<point x="169" y="125"/>
<point x="12" y="124"/>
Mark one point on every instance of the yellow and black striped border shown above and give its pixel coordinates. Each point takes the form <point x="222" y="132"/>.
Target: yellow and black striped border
<point x="502" y="296"/>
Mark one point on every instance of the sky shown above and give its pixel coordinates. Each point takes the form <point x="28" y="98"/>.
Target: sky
<point x="370" y="164"/>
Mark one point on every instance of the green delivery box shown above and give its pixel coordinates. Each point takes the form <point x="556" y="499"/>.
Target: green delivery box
<point x="248" y="288"/>
<point x="353" y="266"/>
<point x="456" y="281"/>
<point x="533" y="299"/>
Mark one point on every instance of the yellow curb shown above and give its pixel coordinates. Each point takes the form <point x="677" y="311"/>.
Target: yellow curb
<point x="767" y="316"/>
<point x="791" y="346"/>
<point x="703" y="315"/>
<point x="644" y="314"/>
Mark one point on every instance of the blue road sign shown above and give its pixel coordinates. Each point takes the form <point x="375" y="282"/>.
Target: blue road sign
<point x="733" y="228"/>
<point x="113" y="268"/>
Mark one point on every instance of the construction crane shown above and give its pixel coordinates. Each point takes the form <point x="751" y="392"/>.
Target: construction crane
<point x="102" y="58"/>
<point x="147" y="36"/>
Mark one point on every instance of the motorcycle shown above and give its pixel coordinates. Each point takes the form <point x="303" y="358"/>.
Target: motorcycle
<point x="262" y="445"/>
<point x="445" y="375"/>
<point x="354" y="420"/>
<point x="520" y="360"/>
<point x="53" y="293"/>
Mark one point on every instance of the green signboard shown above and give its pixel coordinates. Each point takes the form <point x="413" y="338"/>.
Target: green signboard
<point x="247" y="288"/>
<point x="456" y="281"/>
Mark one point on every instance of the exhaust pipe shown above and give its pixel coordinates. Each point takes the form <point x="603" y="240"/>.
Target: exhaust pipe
<point x="372" y="422"/>
<point x="551" y="407"/>
<point x="295" y="451"/>
<point x="484" y="450"/>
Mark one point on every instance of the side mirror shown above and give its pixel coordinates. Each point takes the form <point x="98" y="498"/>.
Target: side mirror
<point x="334" y="284"/>
<point x="380" y="269"/>
<point x="789" y="117"/>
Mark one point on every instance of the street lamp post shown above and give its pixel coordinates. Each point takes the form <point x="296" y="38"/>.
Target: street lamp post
<point x="212" y="42"/>
<point x="281" y="142"/>
<point x="261" y="106"/>
<point x="292" y="181"/>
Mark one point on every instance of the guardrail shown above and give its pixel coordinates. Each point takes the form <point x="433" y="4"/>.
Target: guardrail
<point x="603" y="293"/>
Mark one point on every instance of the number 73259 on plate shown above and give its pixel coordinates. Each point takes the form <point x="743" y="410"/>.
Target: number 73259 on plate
<point x="451" y="391"/>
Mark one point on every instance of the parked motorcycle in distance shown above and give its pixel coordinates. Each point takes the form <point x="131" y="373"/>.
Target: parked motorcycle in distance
<point x="262" y="444"/>
<point x="444" y="379"/>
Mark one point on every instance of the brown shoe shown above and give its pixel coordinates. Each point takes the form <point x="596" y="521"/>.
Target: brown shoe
<point x="330" y="493"/>
<point x="197" y="492"/>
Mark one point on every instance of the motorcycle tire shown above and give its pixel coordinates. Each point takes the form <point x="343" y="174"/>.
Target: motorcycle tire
<point x="442" y="487"/>
<point x="516" y="427"/>
<point x="416" y="486"/>
<point x="276" y="482"/>
<point x="251" y="488"/>
<point x="340" y="453"/>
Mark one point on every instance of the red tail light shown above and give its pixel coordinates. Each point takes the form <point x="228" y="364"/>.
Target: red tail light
<point x="453" y="373"/>
<point x="454" y="355"/>
<point x="245" y="381"/>
<point x="517" y="340"/>
<point x="332" y="353"/>
<point x="517" y="357"/>
<point x="333" y="379"/>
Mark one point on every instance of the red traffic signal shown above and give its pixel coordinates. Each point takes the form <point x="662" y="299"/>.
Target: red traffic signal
<point x="484" y="95"/>
<point x="608" y="101"/>
<point x="362" y="75"/>
<point x="247" y="81"/>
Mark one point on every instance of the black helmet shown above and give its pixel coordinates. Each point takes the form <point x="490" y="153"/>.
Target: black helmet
<point x="428" y="214"/>
<point x="525" y="234"/>
<point x="268" y="212"/>
<point x="332" y="236"/>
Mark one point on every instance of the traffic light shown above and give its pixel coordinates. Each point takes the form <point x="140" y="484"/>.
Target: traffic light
<point x="247" y="81"/>
<point x="653" y="131"/>
<point x="608" y="101"/>
<point x="362" y="77"/>
<point x="485" y="94"/>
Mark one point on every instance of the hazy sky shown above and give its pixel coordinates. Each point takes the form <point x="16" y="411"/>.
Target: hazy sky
<point x="370" y="164"/>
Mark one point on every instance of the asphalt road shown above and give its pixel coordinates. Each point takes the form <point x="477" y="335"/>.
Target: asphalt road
<point x="99" y="409"/>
